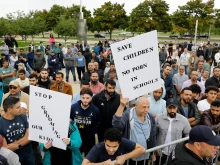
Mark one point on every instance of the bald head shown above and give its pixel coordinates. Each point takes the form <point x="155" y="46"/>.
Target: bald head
<point x="142" y="106"/>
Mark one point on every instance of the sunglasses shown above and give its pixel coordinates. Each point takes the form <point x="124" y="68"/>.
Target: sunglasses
<point x="12" y="87"/>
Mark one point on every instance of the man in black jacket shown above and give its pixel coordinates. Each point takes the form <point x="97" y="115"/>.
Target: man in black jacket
<point x="91" y="69"/>
<point x="215" y="79"/>
<point x="10" y="41"/>
<point x="188" y="108"/>
<point x="108" y="102"/>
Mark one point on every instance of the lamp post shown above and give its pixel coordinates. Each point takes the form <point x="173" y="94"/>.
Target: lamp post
<point x="81" y="26"/>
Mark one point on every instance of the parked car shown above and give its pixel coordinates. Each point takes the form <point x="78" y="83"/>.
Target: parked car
<point x="98" y="35"/>
<point x="173" y="36"/>
<point x="124" y="33"/>
<point x="107" y="33"/>
<point x="203" y="36"/>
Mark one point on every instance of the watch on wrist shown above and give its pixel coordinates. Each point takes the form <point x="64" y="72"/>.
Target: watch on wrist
<point x="19" y="146"/>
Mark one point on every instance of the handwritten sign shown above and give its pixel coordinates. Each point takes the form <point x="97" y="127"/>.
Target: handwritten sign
<point x="49" y="115"/>
<point x="137" y="64"/>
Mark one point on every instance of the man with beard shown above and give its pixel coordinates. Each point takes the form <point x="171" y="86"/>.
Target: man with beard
<point x="100" y="72"/>
<point x="204" y="77"/>
<point x="53" y="61"/>
<point x="61" y="86"/>
<point x="188" y="108"/>
<point x="171" y="126"/>
<point x="95" y="85"/>
<point x="44" y="80"/>
<point x="193" y="80"/>
<point x="167" y="77"/>
<point x="215" y="79"/>
<point x="157" y="104"/>
<point x="211" y="117"/>
<point x="91" y="69"/>
<point x="33" y="79"/>
<point x="87" y="118"/>
<point x="107" y="101"/>
<point x="211" y="95"/>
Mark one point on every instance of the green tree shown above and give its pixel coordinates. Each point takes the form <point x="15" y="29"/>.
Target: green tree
<point x="140" y="18"/>
<point x="150" y="15"/>
<point x="109" y="17"/>
<point x="66" y="28"/>
<point x="185" y="16"/>
<point x="160" y="16"/>
<point x="54" y="15"/>
<point x="44" y="15"/>
<point x="4" y="24"/>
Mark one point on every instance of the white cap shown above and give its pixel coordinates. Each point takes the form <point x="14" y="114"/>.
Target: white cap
<point x="23" y="105"/>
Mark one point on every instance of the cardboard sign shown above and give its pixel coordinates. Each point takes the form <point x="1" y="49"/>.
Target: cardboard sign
<point x="137" y="64"/>
<point x="49" y="116"/>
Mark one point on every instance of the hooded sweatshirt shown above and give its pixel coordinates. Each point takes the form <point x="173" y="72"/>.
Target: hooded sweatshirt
<point x="157" y="107"/>
<point x="87" y="120"/>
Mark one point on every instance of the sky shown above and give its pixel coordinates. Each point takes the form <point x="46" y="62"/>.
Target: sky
<point x="8" y="6"/>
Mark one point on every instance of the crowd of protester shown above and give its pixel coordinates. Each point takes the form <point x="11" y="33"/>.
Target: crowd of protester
<point x="186" y="104"/>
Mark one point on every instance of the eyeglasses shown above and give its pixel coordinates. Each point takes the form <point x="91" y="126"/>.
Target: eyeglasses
<point x="12" y="87"/>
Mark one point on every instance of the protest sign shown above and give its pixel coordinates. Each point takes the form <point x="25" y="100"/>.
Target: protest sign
<point x="49" y="116"/>
<point x="137" y="64"/>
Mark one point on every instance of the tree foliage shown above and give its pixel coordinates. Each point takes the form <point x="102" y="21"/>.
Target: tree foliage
<point x="66" y="28"/>
<point x="185" y="16"/>
<point x="109" y="17"/>
<point x="150" y="15"/>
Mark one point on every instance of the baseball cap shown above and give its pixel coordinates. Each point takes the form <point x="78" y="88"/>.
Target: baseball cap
<point x="14" y="83"/>
<point x="171" y="101"/>
<point x="203" y="133"/>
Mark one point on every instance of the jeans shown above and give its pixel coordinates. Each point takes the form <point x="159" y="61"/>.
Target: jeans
<point x="186" y="69"/>
<point x="72" y="69"/>
<point x="79" y="70"/>
<point x="28" y="160"/>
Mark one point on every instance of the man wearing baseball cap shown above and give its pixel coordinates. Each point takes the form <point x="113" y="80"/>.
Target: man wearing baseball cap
<point x="203" y="143"/>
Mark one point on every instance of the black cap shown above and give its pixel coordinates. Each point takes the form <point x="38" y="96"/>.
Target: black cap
<point x="174" y="61"/>
<point x="172" y="101"/>
<point x="203" y="133"/>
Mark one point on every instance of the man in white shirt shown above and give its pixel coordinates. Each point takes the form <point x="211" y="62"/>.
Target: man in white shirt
<point x="23" y="80"/>
<point x="178" y="80"/>
<point x="211" y="94"/>
<point x="171" y="126"/>
<point x="184" y="57"/>
<point x="217" y="57"/>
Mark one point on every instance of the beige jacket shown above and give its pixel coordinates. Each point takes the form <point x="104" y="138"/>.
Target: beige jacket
<point x="23" y="98"/>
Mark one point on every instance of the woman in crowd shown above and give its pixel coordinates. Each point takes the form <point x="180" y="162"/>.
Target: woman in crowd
<point x="51" y="41"/>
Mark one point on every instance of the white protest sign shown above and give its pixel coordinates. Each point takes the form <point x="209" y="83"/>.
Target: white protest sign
<point x="49" y="116"/>
<point x="137" y="64"/>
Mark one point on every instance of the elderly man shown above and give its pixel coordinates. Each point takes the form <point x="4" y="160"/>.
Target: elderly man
<point x="193" y="80"/>
<point x="137" y="125"/>
<point x="14" y="91"/>
<point x="171" y="126"/>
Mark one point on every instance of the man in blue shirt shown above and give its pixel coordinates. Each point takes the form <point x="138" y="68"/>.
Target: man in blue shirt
<point x="80" y="63"/>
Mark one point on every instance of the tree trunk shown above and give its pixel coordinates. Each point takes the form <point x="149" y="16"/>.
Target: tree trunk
<point x="43" y="34"/>
<point x="110" y="33"/>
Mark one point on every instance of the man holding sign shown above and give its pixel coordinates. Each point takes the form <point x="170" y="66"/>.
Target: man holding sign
<point x="14" y="129"/>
